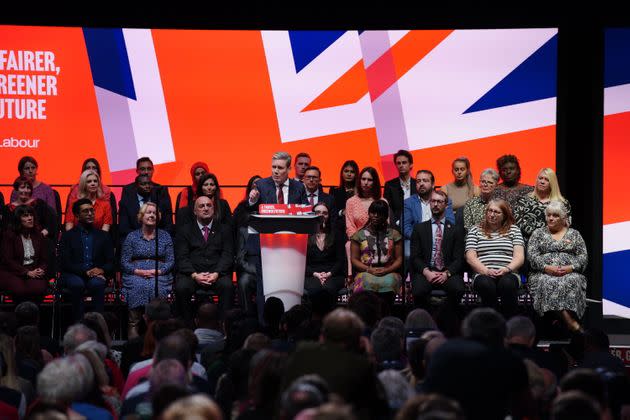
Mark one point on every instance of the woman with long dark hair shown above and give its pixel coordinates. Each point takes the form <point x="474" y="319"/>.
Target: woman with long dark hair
<point x="45" y="215"/>
<point x="347" y="186"/>
<point x="208" y="185"/>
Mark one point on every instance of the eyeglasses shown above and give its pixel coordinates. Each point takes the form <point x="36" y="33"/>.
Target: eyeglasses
<point x="311" y="177"/>
<point x="487" y="182"/>
<point x="90" y="210"/>
<point x="438" y="201"/>
<point x="494" y="211"/>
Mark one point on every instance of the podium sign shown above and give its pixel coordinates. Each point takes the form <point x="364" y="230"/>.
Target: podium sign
<point x="283" y="243"/>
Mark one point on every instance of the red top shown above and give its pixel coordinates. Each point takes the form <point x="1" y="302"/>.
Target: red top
<point x="102" y="213"/>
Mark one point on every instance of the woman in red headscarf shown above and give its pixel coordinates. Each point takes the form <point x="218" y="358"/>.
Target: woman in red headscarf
<point x="189" y="194"/>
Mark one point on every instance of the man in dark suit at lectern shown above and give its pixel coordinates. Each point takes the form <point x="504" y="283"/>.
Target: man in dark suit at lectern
<point x="278" y="188"/>
<point x="437" y="255"/>
<point x="204" y="251"/>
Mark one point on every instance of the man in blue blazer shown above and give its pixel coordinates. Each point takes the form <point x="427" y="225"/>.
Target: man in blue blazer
<point x="87" y="258"/>
<point x="278" y="188"/>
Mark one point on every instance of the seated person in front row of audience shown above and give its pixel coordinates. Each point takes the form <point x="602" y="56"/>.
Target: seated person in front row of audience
<point x="437" y="255"/>
<point x="495" y="251"/>
<point x="208" y="186"/>
<point x="145" y="191"/>
<point x="87" y="258"/>
<point x="138" y="263"/>
<point x="325" y="255"/>
<point x="25" y="254"/>
<point x="204" y="251"/>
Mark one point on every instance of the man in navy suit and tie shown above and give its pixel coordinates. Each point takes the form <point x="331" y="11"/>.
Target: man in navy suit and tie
<point x="437" y="255"/>
<point x="204" y="251"/>
<point x="278" y="188"/>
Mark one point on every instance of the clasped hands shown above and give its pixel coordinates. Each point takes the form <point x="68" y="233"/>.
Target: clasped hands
<point x="95" y="272"/>
<point x="36" y="273"/>
<point x="322" y="276"/>
<point x="437" y="277"/>
<point x="558" y="271"/>
<point x="376" y="271"/>
<point x="205" y="278"/>
<point x="146" y="273"/>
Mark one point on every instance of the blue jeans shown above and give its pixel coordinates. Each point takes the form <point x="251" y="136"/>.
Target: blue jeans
<point x="95" y="287"/>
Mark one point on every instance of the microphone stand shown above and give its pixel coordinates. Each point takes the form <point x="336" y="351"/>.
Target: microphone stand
<point x="157" y="231"/>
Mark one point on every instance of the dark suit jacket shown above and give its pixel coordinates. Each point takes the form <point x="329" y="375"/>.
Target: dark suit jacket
<point x="267" y="189"/>
<point x="452" y="247"/>
<point x="71" y="252"/>
<point x="185" y="215"/>
<point x="129" y="207"/>
<point x="13" y="253"/>
<point x="194" y="255"/>
<point x="395" y="196"/>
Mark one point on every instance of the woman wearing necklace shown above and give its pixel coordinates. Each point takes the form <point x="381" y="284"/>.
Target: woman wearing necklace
<point x="377" y="255"/>
<point x="24" y="256"/>
<point x="557" y="255"/>
<point x="529" y="211"/>
<point x="324" y="256"/>
<point x="138" y="264"/>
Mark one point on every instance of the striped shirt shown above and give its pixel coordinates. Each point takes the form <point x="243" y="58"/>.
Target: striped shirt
<point x="498" y="250"/>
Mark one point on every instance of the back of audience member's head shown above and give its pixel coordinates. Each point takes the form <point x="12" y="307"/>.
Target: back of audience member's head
<point x="596" y="340"/>
<point x="574" y="405"/>
<point x="46" y="411"/>
<point x="190" y="338"/>
<point x="272" y="311"/>
<point x="65" y="380"/>
<point x="162" y="329"/>
<point x="521" y="330"/>
<point x="157" y="310"/>
<point x="419" y="319"/>
<point x="294" y="320"/>
<point x="257" y="341"/>
<point x="195" y="407"/>
<point x="322" y="303"/>
<point x="165" y="396"/>
<point x="75" y="336"/>
<point x="447" y="321"/>
<point x="485" y="325"/>
<point x="112" y="321"/>
<point x="208" y="316"/>
<point x="587" y="381"/>
<point x="367" y="305"/>
<point x="431" y="407"/>
<point x="94" y="353"/>
<point x="433" y="343"/>
<point x="27" y="313"/>
<point x="301" y="394"/>
<point x="174" y="347"/>
<point x="8" y="323"/>
<point x="167" y="372"/>
<point x="238" y="327"/>
<point x="27" y="343"/>
<point x="103" y="329"/>
<point x="397" y="388"/>
<point x="386" y="344"/>
<point x="265" y="376"/>
<point x="98" y="348"/>
<point x="393" y="322"/>
<point x="96" y="326"/>
<point x="343" y="327"/>
<point x="333" y="410"/>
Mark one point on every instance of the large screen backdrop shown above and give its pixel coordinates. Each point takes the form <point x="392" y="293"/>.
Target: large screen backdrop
<point x="616" y="235"/>
<point x="233" y="98"/>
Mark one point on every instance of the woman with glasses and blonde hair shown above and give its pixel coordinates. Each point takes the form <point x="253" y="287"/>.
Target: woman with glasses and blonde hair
<point x="90" y="187"/>
<point x="462" y="188"/>
<point x="475" y="208"/>
<point x="557" y="256"/>
<point x="495" y="251"/>
<point x="138" y="262"/>
<point x="529" y="211"/>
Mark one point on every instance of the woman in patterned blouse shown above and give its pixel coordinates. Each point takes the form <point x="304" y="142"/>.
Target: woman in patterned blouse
<point x="557" y="255"/>
<point x="495" y="251"/>
<point x="529" y="211"/>
<point x="511" y="188"/>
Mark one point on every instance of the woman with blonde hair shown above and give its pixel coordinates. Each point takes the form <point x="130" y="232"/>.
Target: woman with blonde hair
<point x="529" y="211"/>
<point x="462" y="188"/>
<point x="90" y="187"/>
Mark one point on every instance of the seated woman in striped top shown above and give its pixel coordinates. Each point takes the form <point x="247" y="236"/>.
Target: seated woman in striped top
<point x="495" y="251"/>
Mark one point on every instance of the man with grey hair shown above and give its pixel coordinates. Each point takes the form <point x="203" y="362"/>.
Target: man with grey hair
<point x="76" y="335"/>
<point x="278" y="188"/>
